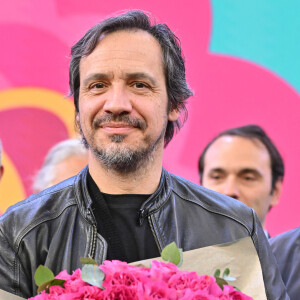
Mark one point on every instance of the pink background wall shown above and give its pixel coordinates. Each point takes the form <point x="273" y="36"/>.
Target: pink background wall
<point x="35" y="39"/>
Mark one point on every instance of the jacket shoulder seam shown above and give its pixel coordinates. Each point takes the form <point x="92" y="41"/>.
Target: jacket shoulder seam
<point x="38" y="222"/>
<point x="216" y="211"/>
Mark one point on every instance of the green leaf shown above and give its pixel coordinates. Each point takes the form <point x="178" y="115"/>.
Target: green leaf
<point x="93" y="275"/>
<point x="173" y="254"/>
<point x="42" y="274"/>
<point x="226" y="272"/>
<point x="47" y="284"/>
<point x="217" y="273"/>
<point x="88" y="261"/>
<point x="221" y="282"/>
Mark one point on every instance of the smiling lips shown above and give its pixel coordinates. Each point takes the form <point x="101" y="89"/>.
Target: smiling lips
<point x="117" y="128"/>
<point x="117" y="124"/>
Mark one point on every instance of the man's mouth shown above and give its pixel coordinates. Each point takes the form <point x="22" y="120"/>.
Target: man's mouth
<point x="119" y="122"/>
<point x="117" y="128"/>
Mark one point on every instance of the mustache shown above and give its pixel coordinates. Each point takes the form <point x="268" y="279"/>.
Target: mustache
<point x="122" y="118"/>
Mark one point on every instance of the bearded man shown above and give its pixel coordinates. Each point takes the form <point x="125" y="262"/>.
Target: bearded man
<point x="127" y="77"/>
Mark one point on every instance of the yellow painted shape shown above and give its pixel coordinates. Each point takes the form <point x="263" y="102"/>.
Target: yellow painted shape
<point x="48" y="100"/>
<point x="11" y="186"/>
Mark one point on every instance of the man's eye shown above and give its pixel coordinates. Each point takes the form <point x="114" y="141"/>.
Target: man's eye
<point x="140" y="85"/>
<point x="215" y="177"/>
<point x="249" y="177"/>
<point x="97" y="85"/>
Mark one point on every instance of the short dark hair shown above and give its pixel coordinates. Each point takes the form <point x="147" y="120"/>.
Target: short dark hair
<point x="174" y="68"/>
<point x="251" y="132"/>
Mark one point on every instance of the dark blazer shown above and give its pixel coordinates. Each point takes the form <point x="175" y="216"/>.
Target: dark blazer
<point x="286" y="248"/>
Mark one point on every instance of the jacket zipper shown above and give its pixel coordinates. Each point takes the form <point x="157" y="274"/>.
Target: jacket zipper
<point x="154" y="234"/>
<point x="141" y="216"/>
<point x="92" y="254"/>
<point x="141" y="221"/>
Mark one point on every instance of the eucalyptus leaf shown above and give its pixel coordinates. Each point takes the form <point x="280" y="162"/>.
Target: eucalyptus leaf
<point x="47" y="284"/>
<point x="42" y="275"/>
<point x="229" y="278"/>
<point x="88" y="261"/>
<point x="181" y="257"/>
<point x="172" y="253"/>
<point x="93" y="275"/>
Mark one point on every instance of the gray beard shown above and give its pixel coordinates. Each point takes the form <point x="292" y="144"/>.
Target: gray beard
<point x="122" y="158"/>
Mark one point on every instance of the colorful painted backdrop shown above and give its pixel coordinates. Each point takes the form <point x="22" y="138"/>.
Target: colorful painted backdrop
<point x="242" y="61"/>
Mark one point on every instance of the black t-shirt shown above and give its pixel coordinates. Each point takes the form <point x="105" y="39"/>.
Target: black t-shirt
<point x="117" y="221"/>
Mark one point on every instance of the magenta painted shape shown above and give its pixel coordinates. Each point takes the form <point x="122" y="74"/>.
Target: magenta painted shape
<point x="33" y="57"/>
<point x="28" y="134"/>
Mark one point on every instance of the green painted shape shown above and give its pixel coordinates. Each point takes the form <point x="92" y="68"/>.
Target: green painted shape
<point x="265" y="32"/>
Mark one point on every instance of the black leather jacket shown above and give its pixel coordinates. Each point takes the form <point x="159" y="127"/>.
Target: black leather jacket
<point x="56" y="227"/>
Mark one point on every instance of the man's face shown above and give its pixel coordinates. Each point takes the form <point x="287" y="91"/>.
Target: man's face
<point x="123" y="100"/>
<point x="241" y="168"/>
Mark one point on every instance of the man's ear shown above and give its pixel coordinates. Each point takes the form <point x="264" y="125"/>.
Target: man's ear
<point x="173" y="114"/>
<point x="76" y="125"/>
<point x="276" y="192"/>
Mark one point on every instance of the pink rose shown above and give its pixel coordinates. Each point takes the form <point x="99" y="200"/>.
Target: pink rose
<point x="66" y="297"/>
<point x="161" y="271"/>
<point x="158" y="290"/>
<point x="56" y="290"/>
<point x="91" y="292"/>
<point x="42" y="296"/>
<point x="230" y="292"/>
<point x="120" y="292"/>
<point x="120" y="273"/>
<point x="207" y="283"/>
<point x="74" y="283"/>
<point x="63" y="275"/>
<point x="198" y="295"/>
<point x="110" y="267"/>
<point x="183" y="280"/>
<point x="123" y="278"/>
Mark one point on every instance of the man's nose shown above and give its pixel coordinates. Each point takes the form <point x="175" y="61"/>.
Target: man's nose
<point x="231" y="188"/>
<point x="118" y="101"/>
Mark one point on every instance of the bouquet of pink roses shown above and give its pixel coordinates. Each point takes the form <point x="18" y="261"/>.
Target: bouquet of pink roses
<point x="119" y="280"/>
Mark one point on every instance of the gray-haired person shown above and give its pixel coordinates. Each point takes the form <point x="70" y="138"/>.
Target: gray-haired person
<point x="63" y="160"/>
<point x="127" y="77"/>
